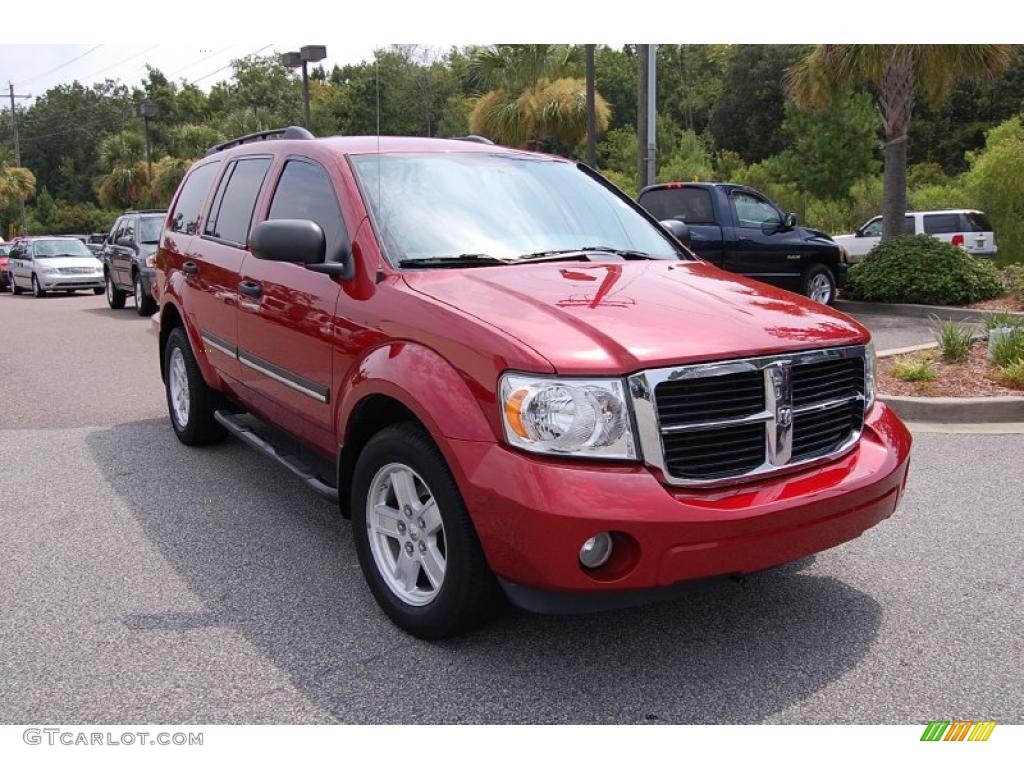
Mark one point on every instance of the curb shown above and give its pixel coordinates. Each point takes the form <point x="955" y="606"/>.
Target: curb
<point x="916" y="310"/>
<point x="957" y="410"/>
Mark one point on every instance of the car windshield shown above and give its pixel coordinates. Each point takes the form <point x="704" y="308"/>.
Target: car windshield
<point x="149" y="229"/>
<point x="498" y="206"/>
<point x="45" y="249"/>
<point x="4" y="250"/>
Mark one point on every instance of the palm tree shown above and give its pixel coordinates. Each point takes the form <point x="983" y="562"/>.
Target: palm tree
<point x="532" y="94"/>
<point x="898" y="74"/>
<point x="16" y="183"/>
<point x="126" y="184"/>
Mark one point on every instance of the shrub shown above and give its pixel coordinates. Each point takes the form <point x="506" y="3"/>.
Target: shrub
<point x="1013" y="274"/>
<point x="1007" y="348"/>
<point x="954" y="340"/>
<point x="919" y="269"/>
<point x="996" y="181"/>
<point x="1012" y="375"/>
<point x="914" y="369"/>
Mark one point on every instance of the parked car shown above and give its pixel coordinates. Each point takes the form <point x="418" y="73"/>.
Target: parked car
<point x="968" y="229"/>
<point x="42" y="264"/>
<point x="739" y="229"/>
<point x="5" y="275"/>
<point x="509" y="376"/>
<point x="95" y="242"/>
<point x="132" y="240"/>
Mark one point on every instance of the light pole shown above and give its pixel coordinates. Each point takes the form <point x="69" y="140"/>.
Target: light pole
<point x="147" y="111"/>
<point x="302" y="58"/>
<point x="17" y="146"/>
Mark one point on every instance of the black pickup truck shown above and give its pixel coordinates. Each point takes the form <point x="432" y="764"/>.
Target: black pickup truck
<point x="739" y="229"/>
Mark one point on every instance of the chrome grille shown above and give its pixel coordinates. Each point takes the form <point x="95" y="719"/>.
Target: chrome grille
<point x="77" y="270"/>
<point x="711" y="423"/>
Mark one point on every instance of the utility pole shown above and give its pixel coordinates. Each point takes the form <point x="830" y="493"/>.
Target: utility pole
<point x="591" y="109"/>
<point x="17" y="146"/>
<point x="641" y="116"/>
<point x="652" y="110"/>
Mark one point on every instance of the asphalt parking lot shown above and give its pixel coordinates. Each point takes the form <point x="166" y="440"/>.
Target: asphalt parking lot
<point x="146" y="582"/>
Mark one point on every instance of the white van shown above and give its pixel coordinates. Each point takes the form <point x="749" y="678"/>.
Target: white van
<point x="967" y="229"/>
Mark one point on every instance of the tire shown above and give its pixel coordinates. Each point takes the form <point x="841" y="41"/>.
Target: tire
<point x="467" y="594"/>
<point x="190" y="403"/>
<point x="819" y="284"/>
<point x="98" y="291"/>
<point x="37" y="292"/>
<point x="14" y="287"/>
<point x="115" y="296"/>
<point x="145" y="305"/>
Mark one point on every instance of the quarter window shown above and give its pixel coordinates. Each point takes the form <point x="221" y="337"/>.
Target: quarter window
<point x="942" y="223"/>
<point x="192" y="199"/>
<point x="231" y="214"/>
<point x="306" y="192"/>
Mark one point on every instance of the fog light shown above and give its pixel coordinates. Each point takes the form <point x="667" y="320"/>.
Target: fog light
<point x="596" y="550"/>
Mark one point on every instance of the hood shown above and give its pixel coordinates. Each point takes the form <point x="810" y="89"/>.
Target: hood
<point x="817" y="233"/>
<point x="622" y="317"/>
<point x="70" y="261"/>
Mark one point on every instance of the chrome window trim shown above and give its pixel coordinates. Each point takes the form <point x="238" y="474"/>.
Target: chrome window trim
<point x="778" y="403"/>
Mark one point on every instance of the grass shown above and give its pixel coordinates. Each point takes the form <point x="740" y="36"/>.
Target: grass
<point x="1012" y="375"/>
<point x="1007" y="348"/>
<point x="954" y="340"/>
<point x="1002" y="320"/>
<point x="914" y="369"/>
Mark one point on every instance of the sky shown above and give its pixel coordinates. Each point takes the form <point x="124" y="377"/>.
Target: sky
<point x="35" y="68"/>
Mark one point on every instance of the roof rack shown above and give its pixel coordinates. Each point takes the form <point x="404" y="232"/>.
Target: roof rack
<point x="291" y="132"/>
<point x="476" y="138"/>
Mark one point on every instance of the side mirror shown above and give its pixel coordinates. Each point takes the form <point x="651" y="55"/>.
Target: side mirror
<point x="299" y="241"/>
<point x="125" y="241"/>
<point x="679" y="230"/>
<point x="789" y="221"/>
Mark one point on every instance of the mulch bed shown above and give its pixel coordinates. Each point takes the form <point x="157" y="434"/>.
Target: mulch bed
<point x="974" y="378"/>
<point x="1002" y="304"/>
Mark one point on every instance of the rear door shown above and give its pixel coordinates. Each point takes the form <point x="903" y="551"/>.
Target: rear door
<point x="223" y="244"/>
<point x="693" y="206"/>
<point x="121" y="252"/>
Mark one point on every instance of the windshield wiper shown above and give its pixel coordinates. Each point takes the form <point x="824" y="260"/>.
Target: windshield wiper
<point x="569" y="254"/>
<point x="462" y="260"/>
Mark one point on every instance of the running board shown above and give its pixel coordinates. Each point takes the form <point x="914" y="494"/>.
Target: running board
<point x="234" y="424"/>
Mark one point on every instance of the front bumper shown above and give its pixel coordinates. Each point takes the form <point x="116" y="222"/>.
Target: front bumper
<point x="57" y="282"/>
<point x="842" y="272"/>
<point x="533" y="515"/>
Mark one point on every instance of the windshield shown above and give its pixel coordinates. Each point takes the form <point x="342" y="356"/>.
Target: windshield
<point x="4" y="250"/>
<point x="45" y="249"/>
<point x="441" y="206"/>
<point x="149" y="229"/>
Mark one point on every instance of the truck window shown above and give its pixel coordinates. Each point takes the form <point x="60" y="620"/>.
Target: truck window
<point x="941" y="223"/>
<point x="752" y="211"/>
<point x="232" y="214"/>
<point x="192" y="198"/>
<point x="689" y="204"/>
<point x="305" y="192"/>
<point x="909" y="225"/>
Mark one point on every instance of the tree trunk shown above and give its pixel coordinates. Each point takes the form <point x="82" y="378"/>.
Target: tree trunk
<point x="897" y="103"/>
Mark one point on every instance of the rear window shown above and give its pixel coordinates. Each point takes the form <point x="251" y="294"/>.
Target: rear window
<point x="689" y="204"/>
<point x="977" y="222"/>
<point x="941" y="223"/>
<point x="192" y="199"/>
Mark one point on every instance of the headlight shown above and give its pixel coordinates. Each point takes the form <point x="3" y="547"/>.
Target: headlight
<point x="576" y="417"/>
<point x="46" y="270"/>
<point x="869" y="376"/>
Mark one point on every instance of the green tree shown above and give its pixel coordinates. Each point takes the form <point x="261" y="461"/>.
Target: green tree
<point x="996" y="181"/>
<point x="898" y="74"/>
<point x="126" y="182"/>
<point x="533" y="96"/>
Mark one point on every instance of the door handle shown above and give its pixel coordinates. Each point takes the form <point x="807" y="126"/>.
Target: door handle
<point x="190" y="268"/>
<point x="250" y="288"/>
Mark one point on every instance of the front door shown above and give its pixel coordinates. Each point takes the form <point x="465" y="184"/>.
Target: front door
<point x="286" y="312"/>
<point x="762" y="247"/>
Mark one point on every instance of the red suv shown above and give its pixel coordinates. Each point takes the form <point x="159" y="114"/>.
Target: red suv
<point x="513" y="379"/>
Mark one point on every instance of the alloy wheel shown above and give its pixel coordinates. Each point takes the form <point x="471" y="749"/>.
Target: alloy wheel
<point x="406" y="534"/>
<point x="820" y="289"/>
<point x="177" y="380"/>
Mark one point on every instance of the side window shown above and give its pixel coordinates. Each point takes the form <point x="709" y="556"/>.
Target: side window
<point x="752" y="211"/>
<point x="305" y="192"/>
<point x="909" y="225"/>
<point x="192" y="197"/>
<point x="873" y="228"/>
<point x="231" y="214"/>
<point x="128" y="233"/>
<point x="941" y="223"/>
<point x="114" y="230"/>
